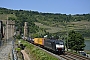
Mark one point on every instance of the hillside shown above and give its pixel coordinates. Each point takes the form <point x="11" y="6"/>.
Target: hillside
<point x="45" y="23"/>
<point x="80" y="26"/>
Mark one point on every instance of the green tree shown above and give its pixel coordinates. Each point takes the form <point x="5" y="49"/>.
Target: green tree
<point x="75" y="41"/>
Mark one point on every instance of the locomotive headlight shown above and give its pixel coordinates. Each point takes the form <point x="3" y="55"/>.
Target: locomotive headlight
<point x="59" y="46"/>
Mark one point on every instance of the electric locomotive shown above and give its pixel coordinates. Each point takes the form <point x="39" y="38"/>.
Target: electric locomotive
<point x="55" y="45"/>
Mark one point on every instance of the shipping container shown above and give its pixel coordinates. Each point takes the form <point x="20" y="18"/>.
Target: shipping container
<point x="35" y="40"/>
<point x="39" y="41"/>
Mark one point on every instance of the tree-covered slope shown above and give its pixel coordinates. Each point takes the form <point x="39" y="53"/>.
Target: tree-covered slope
<point x="55" y="22"/>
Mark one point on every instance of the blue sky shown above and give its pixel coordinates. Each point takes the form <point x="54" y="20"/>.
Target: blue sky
<point x="49" y="6"/>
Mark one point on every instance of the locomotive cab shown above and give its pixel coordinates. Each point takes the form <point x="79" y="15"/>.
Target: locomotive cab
<point x="60" y="46"/>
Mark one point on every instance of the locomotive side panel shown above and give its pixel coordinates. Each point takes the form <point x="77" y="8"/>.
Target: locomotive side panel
<point x="47" y="44"/>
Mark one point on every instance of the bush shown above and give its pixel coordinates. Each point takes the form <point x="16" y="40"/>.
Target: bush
<point x="18" y="49"/>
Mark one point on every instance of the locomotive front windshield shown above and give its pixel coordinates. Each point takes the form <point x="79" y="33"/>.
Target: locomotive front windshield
<point x="60" y="42"/>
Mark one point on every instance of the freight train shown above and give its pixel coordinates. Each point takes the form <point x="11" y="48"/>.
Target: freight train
<point x="56" y="46"/>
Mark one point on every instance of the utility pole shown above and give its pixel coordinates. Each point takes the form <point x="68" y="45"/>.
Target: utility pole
<point x="66" y="35"/>
<point x="67" y="38"/>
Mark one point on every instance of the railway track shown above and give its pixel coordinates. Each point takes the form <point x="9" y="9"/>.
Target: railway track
<point x="71" y="56"/>
<point x="67" y="57"/>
